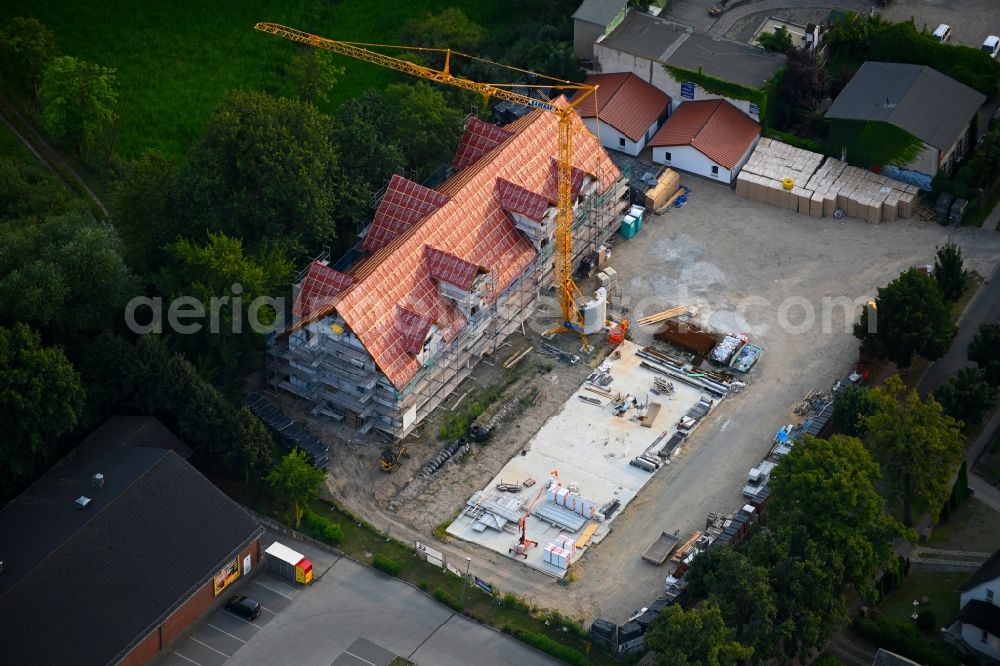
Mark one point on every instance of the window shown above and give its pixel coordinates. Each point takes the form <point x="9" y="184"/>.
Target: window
<point x="666" y="156"/>
<point x="989" y="596"/>
<point x="715" y="171"/>
<point x="621" y="143"/>
<point x="983" y="637"/>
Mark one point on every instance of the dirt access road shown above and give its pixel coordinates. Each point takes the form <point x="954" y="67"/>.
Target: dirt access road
<point x="747" y="267"/>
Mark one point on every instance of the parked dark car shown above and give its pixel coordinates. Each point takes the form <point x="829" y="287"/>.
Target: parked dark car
<point x="245" y="607"/>
<point x="957" y="213"/>
<point x="943" y="207"/>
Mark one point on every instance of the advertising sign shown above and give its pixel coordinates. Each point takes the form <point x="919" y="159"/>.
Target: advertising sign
<point x="246" y="565"/>
<point x="687" y="90"/>
<point x="484" y="586"/>
<point x="754" y="110"/>
<point x="429" y="553"/>
<point x="227" y="575"/>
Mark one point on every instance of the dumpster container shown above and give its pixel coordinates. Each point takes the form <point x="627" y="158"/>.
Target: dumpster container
<point x="285" y="562"/>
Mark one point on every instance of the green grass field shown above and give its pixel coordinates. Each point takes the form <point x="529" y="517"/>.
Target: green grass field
<point x="176" y="60"/>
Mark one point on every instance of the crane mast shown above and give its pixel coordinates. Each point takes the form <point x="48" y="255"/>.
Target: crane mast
<point x="570" y="297"/>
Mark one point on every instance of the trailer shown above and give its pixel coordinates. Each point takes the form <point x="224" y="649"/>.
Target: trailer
<point x="288" y="563"/>
<point x="661" y="548"/>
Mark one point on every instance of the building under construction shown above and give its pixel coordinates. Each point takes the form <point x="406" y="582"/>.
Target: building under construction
<point x="444" y="275"/>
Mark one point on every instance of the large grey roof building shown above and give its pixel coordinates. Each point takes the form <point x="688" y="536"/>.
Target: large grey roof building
<point x="591" y="20"/>
<point x="934" y="108"/>
<point x="643" y="44"/>
<point x="114" y="581"/>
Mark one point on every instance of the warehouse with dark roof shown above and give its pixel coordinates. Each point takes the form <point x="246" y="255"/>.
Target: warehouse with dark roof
<point x="116" y="550"/>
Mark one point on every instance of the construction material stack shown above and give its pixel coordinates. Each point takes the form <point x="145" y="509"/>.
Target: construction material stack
<point x="811" y="184"/>
<point x="667" y="185"/>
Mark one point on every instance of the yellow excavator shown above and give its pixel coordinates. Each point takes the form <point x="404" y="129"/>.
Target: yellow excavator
<point x="391" y="458"/>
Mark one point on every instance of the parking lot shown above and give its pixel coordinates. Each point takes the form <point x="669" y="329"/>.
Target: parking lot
<point x="351" y="615"/>
<point x="221" y="634"/>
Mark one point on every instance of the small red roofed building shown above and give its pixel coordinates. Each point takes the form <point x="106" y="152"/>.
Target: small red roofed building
<point x="446" y="274"/>
<point x="710" y="138"/>
<point x="625" y="112"/>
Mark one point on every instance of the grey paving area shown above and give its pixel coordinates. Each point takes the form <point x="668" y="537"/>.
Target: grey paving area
<point x="350" y="616"/>
<point x="970" y="20"/>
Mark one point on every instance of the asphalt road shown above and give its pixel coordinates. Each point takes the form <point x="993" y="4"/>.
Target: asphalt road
<point x="351" y="615"/>
<point x="984" y="308"/>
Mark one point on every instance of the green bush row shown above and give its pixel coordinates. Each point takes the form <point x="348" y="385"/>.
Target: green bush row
<point x="386" y="564"/>
<point x="792" y="140"/>
<point x="448" y="600"/>
<point x="321" y="527"/>
<point x="905" y="640"/>
<point x="549" y="646"/>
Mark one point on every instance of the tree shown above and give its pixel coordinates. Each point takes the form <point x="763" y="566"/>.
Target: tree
<point x="850" y="408"/>
<point x="148" y="378"/>
<point x="917" y="446"/>
<point x="804" y="80"/>
<point x="368" y="157"/>
<point x="741" y="589"/>
<point x="296" y="482"/>
<point x="422" y="124"/>
<point x="232" y="338"/>
<point x="450" y="29"/>
<point x="949" y="272"/>
<point x="80" y="100"/>
<point x="966" y="397"/>
<point x="556" y="59"/>
<point x="778" y="41"/>
<point x="30" y="189"/>
<point x="27" y="46"/>
<point x="840" y="476"/>
<point x="912" y="318"/>
<point x="696" y="637"/>
<point x="807" y="584"/>
<point x="265" y="172"/>
<point x="40" y="399"/>
<point x="142" y="212"/>
<point x="310" y="75"/>
<point x="984" y="351"/>
<point x="64" y="275"/>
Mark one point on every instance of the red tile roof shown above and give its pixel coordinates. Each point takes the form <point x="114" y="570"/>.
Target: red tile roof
<point x="470" y="225"/>
<point x="320" y="288"/>
<point x="479" y="138"/>
<point x="403" y="204"/>
<point x="413" y="327"/>
<point x="516" y="199"/>
<point x="454" y="270"/>
<point x="625" y="102"/>
<point x="715" y="127"/>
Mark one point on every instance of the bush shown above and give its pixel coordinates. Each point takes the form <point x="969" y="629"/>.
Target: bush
<point x="547" y="645"/>
<point x="927" y="620"/>
<point x="423" y="585"/>
<point x="447" y="600"/>
<point x="386" y="564"/>
<point x="322" y="528"/>
<point x="903" y="639"/>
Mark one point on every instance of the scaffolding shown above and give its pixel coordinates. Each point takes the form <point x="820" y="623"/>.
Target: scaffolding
<point x="342" y="381"/>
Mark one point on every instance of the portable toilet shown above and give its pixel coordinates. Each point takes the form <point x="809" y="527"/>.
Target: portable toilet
<point x="288" y="563"/>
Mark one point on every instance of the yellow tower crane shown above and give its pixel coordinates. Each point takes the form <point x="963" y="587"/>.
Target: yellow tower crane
<point x="570" y="297"/>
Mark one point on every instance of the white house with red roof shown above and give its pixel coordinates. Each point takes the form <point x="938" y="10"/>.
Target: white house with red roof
<point x="625" y="112"/>
<point x="711" y="138"/>
<point x="447" y="274"/>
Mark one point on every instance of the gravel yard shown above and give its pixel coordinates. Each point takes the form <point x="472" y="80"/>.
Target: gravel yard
<point x="788" y="280"/>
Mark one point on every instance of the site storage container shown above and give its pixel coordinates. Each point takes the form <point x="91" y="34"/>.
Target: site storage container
<point x="285" y="562"/>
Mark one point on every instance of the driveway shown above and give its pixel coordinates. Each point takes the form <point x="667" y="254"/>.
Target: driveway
<point x="351" y="615"/>
<point x="984" y="308"/>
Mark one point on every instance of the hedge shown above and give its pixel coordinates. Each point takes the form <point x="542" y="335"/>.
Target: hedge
<point x="547" y="645"/>
<point x="322" y="527"/>
<point x="386" y="564"/>
<point x="905" y="640"/>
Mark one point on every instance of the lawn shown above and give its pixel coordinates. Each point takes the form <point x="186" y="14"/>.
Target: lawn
<point x="972" y="527"/>
<point x="939" y="587"/>
<point x="176" y="60"/>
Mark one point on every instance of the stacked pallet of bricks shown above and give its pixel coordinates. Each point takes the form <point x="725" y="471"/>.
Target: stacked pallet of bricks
<point x="822" y="185"/>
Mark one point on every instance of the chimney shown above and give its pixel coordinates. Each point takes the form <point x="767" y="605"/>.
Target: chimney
<point x="97" y="481"/>
<point x="81" y="502"/>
